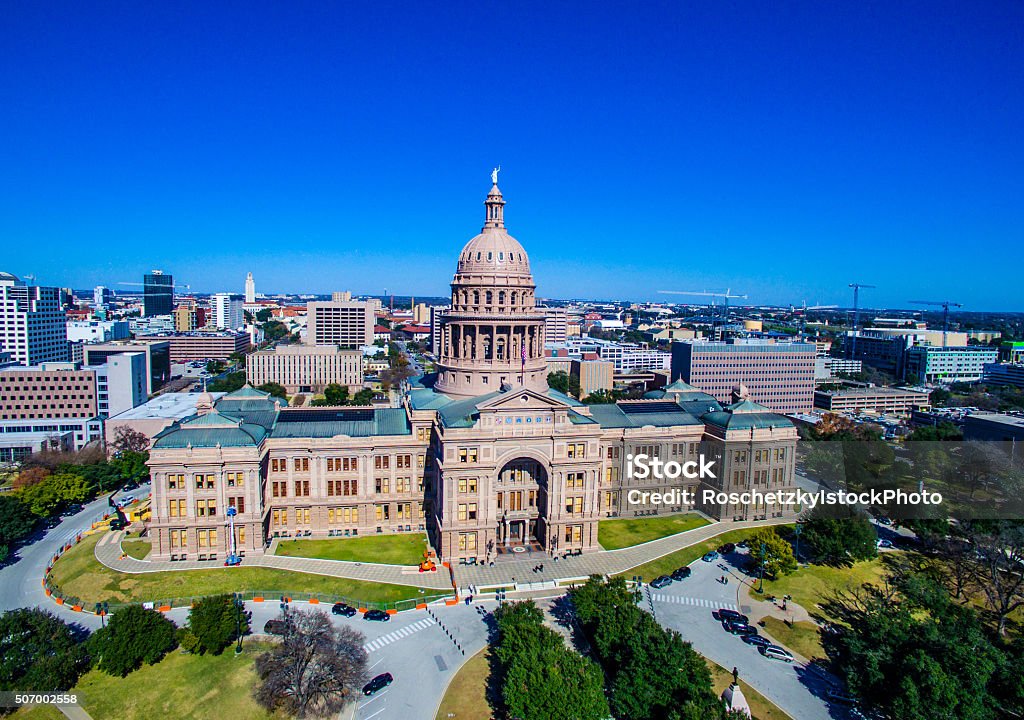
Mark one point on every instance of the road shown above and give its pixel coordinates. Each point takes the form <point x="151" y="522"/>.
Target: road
<point x="687" y="607"/>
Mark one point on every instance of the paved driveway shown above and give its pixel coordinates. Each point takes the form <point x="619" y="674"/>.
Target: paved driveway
<point x="687" y="607"/>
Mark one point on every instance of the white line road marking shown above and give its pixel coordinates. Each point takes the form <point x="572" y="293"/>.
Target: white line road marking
<point x="391" y="637"/>
<point x="378" y="696"/>
<point x="698" y="602"/>
<point x="374" y="715"/>
<point x="375" y="664"/>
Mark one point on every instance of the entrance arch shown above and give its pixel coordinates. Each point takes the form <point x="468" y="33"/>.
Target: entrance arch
<point x="522" y="500"/>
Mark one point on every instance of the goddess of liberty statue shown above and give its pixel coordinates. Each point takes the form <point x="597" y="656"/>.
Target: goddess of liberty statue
<point x="494" y="175"/>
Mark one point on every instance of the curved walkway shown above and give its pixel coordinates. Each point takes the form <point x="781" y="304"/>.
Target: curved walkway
<point x="108" y="552"/>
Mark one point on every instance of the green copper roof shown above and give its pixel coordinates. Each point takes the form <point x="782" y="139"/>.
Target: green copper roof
<point x="663" y="413"/>
<point x="746" y="415"/>
<point x="212" y="429"/>
<point x="329" y="422"/>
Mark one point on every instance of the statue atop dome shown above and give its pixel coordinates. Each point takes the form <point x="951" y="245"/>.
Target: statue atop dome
<point x="494" y="175"/>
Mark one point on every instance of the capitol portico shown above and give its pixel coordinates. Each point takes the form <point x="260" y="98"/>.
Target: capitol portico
<point x="482" y="455"/>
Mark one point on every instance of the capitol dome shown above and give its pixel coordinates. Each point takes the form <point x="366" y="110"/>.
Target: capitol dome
<point x="494" y="251"/>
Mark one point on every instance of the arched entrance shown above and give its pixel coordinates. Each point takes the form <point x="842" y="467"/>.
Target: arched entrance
<point x="522" y="499"/>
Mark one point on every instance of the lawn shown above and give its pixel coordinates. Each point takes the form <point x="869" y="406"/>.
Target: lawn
<point x="668" y="563"/>
<point x="137" y="549"/>
<point x="80" y="575"/>
<point x="403" y="549"/>
<point x="466" y="696"/>
<point x="38" y="712"/>
<point x="760" y="706"/>
<point x="802" y="637"/>
<point x="812" y="584"/>
<point x="615" y="534"/>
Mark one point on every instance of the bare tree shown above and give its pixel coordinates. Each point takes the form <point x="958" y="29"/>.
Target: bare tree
<point x="127" y="439"/>
<point x="999" y="549"/>
<point x="315" y="669"/>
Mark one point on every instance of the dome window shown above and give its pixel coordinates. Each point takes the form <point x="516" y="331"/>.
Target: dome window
<point x="490" y="256"/>
<point x="501" y="257"/>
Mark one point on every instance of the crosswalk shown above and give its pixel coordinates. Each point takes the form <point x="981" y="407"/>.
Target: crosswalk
<point x="697" y="602"/>
<point x="398" y="635"/>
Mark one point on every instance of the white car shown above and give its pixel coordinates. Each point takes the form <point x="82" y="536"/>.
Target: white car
<point x="776" y="652"/>
<point x="127" y="500"/>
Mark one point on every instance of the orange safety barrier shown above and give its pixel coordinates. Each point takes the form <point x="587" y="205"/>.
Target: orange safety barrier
<point x="314" y="601"/>
<point x="60" y="601"/>
<point x="421" y="606"/>
<point x="164" y="608"/>
<point x="257" y="599"/>
<point x="76" y="608"/>
<point x="392" y="612"/>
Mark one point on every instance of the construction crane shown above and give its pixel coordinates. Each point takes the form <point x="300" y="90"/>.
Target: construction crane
<point x="856" y="315"/>
<point x="945" y="305"/>
<point x="803" y="313"/>
<point x="726" y="296"/>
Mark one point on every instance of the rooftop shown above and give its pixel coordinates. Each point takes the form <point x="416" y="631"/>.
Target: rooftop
<point x="172" y="406"/>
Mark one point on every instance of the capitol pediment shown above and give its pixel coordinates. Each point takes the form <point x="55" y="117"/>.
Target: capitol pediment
<point x="522" y="399"/>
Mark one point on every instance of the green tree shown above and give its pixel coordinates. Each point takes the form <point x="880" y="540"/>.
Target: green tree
<point x="16" y="521"/>
<point x="133" y="636"/>
<point x="39" y="651"/>
<point x="215" y="621"/>
<point x="601" y="397"/>
<point x="775" y="552"/>
<point x="131" y="466"/>
<point x="363" y="397"/>
<point x="559" y="381"/>
<point x="275" y="390"/>
<point x="228" y="383"/>
<point x="841" y="540"/>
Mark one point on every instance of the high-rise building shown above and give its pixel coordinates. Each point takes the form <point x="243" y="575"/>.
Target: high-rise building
<point x="250" y="289"/>
<point x="779" y="376"/>
<point x="340" y="321"/>
<point x="156" y="351"/>
<point x="97" y="330"/>
<point x="227" y="311"/>
<point x="932" y="364"/>
<point x="33" y="328"/>
<point x="556" y="324"/>
<point x="101" y="296"/>
<point x="157" y="293"/>
<point x="436" y="314"/>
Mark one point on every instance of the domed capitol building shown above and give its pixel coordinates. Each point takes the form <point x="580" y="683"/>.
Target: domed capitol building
<point x="483" y="455"/>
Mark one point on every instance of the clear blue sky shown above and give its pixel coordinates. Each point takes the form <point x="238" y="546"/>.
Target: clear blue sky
<point x="781" y="149"/>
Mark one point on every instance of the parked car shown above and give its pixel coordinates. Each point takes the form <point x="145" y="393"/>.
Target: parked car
<point x="681" y="573"/>
<point x="378" y="683"/>
<point x="726" y="549"/>
<point x="884" y="543"/>
<point x="732" y="615"/>
<point x="710" y="556"/>
<point x="776" y="653"/>
<point x="738" y="628"/>
<point x="660" y="582"/>
<point x="343" y="610"/>
<point x="756" y="640"/>
<point x="126" y="500"/>
<point x="275" y="627"/>
<point x="840" y="697"/>
<point x="376" y="616"/>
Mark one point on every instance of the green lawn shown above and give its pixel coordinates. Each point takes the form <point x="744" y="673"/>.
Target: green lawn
<point x="615" y="534"/>
<point x="761" y="707"/>
<point x="403" y="549"/>
<point x="137" y="549"/>
<point x="79" y="574"/>
<point x="38" y="712"/>
<point x="668" y="563"/>
<point x="802" y="637"/>
<point x="812" y="584"/>
<point x="466" y="696"/>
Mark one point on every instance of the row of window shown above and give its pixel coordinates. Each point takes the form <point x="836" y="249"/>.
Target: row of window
<point x="346" y="464"/>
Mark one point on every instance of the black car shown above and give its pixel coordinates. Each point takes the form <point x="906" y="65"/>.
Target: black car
<point x="377" y="616"/>
<point x="378" y="683"/>
<point x="726" y="549"/>
<point x="275" y="627"/>
<point x="343" y="610"/>
<point x="738" y="628"/>
<point x="681" y="574"/>
<point x="732" y="616"/>
<point x="756" y="640"/>
<point x="660" y="582"/>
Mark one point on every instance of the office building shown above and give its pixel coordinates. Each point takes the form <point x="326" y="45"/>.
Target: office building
<point x="17" y="446"/>
<point x="826" y="367"/>
<point x="156" y="351"/>
<point x="202" y="344"/>
<point x="250" y="289"/>
<point x="995" y="427"/>
<point x="594" y="375"/>
<point x="556" y="324"/>
<point x="436" y="315"/>
<point x="948" y="364"/>
<point x="881" y="400"/>
<point x="70" y="390"/>
<point x="32" y="324"/>
<point x="227" y="311"/>
<point x="92" y="331"/>
<point x="779" y="376"/>
<point x="83" y="430"/>
<point x="481" y="455"/>
<point x="883" y="352"/>
<point x="1003" y="374"/>
<point x="306" y="368"/>
<point x="152" y="324"/>
<point x="1011" y="351"/>
<point x="343" y="322"/>
<point x="121" y="383"/>
<point x="101" y="297"/>
<point x="157" y="293"/>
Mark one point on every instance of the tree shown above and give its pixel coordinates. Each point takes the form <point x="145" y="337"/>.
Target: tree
<point x="999" y="548"/>
<point x="131" y="466"/>
<point x="841" y="540"/>
<point x="772" y="552"/>
<point x="128" y="439"/>
<point x="215" y="622"/>
<point x="601" y="397"/>
<point x="314" y="669"/>
<point x="39" y="651"/>
<point x="363" y="397"/>
<point x="16" y="521"/>
<point x="275" y="390"/>
<point x="133" y="636"/>
<point x="336" y="394"/>
<point x="229" y="383"/>
<point x="559" y="381"/>
<point x="29" y="476"/>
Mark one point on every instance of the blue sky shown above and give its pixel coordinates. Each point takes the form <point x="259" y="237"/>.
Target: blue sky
<point x="780" y="149"/>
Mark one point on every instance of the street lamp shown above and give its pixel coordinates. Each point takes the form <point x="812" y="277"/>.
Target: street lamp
<point x="763" y="558"/>
<point x="238" y="622"/>
<point x="798" y="529"/>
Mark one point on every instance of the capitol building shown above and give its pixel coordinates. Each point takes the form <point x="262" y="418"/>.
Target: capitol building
<point x="482" y="456"/>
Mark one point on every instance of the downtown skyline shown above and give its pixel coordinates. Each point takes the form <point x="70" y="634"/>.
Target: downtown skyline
<point x="782" y="153"/>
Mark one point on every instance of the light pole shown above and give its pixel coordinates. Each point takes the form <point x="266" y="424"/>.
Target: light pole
<point x="760" y="589"/>
<point x="238" y="622"/>
<point x="797" y="530"/>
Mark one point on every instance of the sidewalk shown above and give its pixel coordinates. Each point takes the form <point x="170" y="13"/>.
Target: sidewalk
<point x="108" y="552"/>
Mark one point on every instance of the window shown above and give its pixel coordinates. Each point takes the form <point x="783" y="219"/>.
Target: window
<point x="206" y="508"/>
<point x="279" y="517"/>
<point x="467" y="541"/>
<point x="301" y="464"/>
<point x="382" y="512"/>
<point x="302" y="488"/>
<point x="238" y="503"/>
<point x="574" y="505"/>
<point x="467" y="485"/>
<point x="383" y="485"/>
<point x="205" y="482"/>
<point x="421" y="461"/>
<point x="382" y="462"/>
<point x="403" y="461"/>
<point x="302" y="516"/>
<point x="241" y="535"/>
<point x="574" y="533"/>
<point x="279" y="488"/>
<point x="343" y="515"/>
<point x="176" y="482"/>
<point x="467" y="511"/>
<point x="575" y="450"/>
<point x="342" y="487"/>
<point x="739" y="456"/>
<point x="613" y="453"/>
<point x="176" y="508"/>
<point x="574" y="480"/>
<point x="739" y="477"/>
<point x="179" y="539"/>
<point x="467" y="455"/>
<point x="609" y="500"/>
<point x="780" y="454"/>
<point x="422" y="434"/>
<point x="207" y="538"/>
<point x="236" y="479"/>
<point x="761" y="456"/>
<point x="611" y="474"/>
<point x="404" y="511"/>
<point x="403" y="484"/>
<point x="278" y="465"/>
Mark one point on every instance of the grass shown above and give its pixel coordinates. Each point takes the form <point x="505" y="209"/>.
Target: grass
<point x="403" y="549"/>
<point x="38" y="712"/>
<point x="137" y="549"/>
<point x="466" y="696"/>
<point x="668" y="563"/>
<point x="812" y="584"/>
<point x="77" y="573"/>
<point x="761" y="707"/>
<point x="615" y="534"/>
<point x="801" y="637"/>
